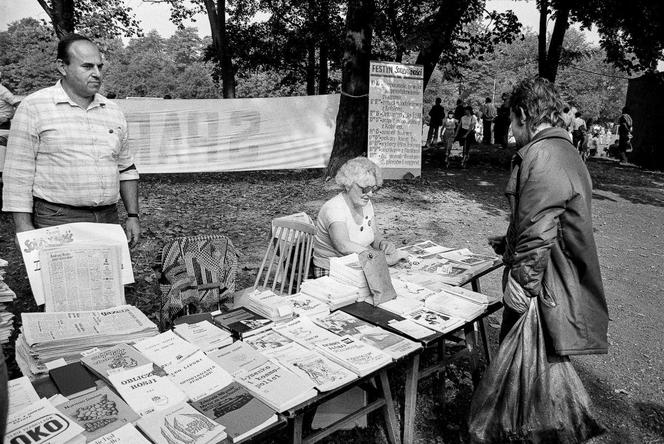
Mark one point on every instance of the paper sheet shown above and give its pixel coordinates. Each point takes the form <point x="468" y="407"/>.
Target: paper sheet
<point x="32" y="242"/>
<point x="80" y="277"/>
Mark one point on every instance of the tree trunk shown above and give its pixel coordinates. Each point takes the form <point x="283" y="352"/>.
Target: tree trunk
<point x="556" y="43"/>
<point x="323" y="54"/>
<point x="217" y="17"/>
<point x="61" y="13"/>
<point x="311" y="67"/>
<point x="350" y="137"/>
<point x="439" y="34"/>
<point x="541" y="38"/>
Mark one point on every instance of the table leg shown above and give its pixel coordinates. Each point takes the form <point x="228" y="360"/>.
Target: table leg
<point x="410" y="400"/>
<point x="471" y="345"/>
<point x="485" y="341"/>
<point x="388" y="410"/>
<point x="297" y="429"/>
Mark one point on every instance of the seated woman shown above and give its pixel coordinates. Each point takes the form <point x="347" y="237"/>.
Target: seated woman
<point x="346" y="223"/>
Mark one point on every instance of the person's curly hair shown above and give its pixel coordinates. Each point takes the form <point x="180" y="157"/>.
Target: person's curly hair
<point x="358" y="170"/>
<point x="539" y="100"/>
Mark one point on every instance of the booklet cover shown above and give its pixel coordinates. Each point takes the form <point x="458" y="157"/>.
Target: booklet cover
<point x="99" y="412"/>
<point x="53" y="426"/>
<point x="356" y="356"/>
<point x="21" y="394"/>
<point x="199" y="376"/>
<point x="114" y="359"/>
<point x="204" y="334"/>
<point x="73" y="380"/>
<point x="145" y="391"/>
<point x="181" y="424"/>
<point x="239" y="356"/>
<point x="238" y="410"/>
<point x="436" y="321"/>
<point x="166" y="349"/>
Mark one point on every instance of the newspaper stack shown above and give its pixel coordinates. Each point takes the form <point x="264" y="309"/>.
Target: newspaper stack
<point x="6" y="295"/>
<point x="347" y="270"/>
<point x="48" y="336"/>
<point x="331" y="291"/>
<point x="268" y="304"/>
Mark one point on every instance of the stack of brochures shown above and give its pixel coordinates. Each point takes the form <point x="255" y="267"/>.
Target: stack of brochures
<point x="270" y="382"/>
<point x="344" y="324"/>
<point x="6" y="295"/>
<point x="269" y="304"/>
<point x="48" y="336"/>
<point x="309" y="306"/>
<point x="309" y="364"/>
<point x="348" y="270"/>
<point x="331" y="291"/>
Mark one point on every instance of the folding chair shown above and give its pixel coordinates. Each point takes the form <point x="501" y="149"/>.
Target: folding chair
<point x="288" y="256"/>
<point x="197" y="273"/>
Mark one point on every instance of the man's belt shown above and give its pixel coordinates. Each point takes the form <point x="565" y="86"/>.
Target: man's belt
<point x="77" y="207"/>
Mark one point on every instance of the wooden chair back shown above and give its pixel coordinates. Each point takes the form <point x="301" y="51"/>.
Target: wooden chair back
<point x="286" y="261"/>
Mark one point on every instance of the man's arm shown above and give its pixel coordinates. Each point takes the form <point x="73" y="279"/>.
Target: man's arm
<point x="23" y="222"/>
<point x="129" y="194"/>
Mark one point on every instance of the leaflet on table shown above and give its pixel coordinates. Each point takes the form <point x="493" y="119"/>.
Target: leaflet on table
<point x="305" y="305"/>
<point x="80" y="277"/>
<point x="21" y="394"/>
<point x="304" y="331"/>
<point x="181" y="424"/>
<point x="402" y="306"/>
<point x="356" y="356"/>
<point x="33" y="241"/>
<point x="410" y="290"/>
<point x="199" y="376"/>
<point x="411" y="328"/>
<point x="145" y="391"/>
<point x="452" y="305"/>
<point x="127" y="434"/>
<point x="239" y="356"/>
<point x="466" y="257"/>
<point x="43" y="421"/>
<point x="166" y="349"/>
<point x="41" y="328"/>
<point x="436" y="321"/>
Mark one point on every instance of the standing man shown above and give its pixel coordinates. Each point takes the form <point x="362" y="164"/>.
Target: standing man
<point x="67" y="158"/>
<point x="501" y="127"/>
<point x="549" y="248"/>
<point x="436" y="120"/>
<point x="624" y="134"/>
<point x="8" y="104"/>
<point x="488" y="115"/>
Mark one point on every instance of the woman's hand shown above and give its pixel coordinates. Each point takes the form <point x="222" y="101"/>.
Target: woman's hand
<point x="387" y="247"/>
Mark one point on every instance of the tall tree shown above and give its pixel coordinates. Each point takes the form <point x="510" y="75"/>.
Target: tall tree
<point x="350" y="137"/>
<point x="95" y="18"/>
<point x="548" y="60"/>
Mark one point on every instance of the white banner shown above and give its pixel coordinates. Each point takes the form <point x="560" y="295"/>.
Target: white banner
<point x="395" y="118"/>
<point x="177" y="136"/>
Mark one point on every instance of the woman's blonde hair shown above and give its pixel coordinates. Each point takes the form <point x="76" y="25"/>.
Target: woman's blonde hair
<point x="358" y="170"/>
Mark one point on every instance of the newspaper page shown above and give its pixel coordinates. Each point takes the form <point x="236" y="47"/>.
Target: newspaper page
<point x="33" y="241"/>
<point x="60" y="326"/>
<point x="81" y="277"/>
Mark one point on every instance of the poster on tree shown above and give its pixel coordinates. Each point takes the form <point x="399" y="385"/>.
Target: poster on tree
<point x="395" y="118"/>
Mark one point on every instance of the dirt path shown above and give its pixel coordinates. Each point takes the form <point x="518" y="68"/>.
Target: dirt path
<point x="457" y="208"/>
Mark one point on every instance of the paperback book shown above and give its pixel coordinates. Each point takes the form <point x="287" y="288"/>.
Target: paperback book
<point x="356" y="356"/>
<point x="204" y="335"/>
<point x="242" y="322"/>
<point x="99" y="412"/>
<point x="127" y="434"/>
<point x="199" y="376"/>
<point x="166" y="349"/>
<point x="240" y="412"/>
<point x="181" y="424"/>
<point x="114" y="359"/>
<point x="305" y="331"/>
<point x="145" y="391"/>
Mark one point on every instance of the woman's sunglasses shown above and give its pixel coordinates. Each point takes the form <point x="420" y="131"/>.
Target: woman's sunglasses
<point x="366" y="190"/>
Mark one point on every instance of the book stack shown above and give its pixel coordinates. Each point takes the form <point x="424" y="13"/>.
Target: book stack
<point x="309" y="306"/>
<point x="344" y="324"/>
<point x="269" y="305"/>
<point x="242" y="322"/>
<point x="332" y="292"/>
<point x="273" y="384"/>
<point x="48" y="336"/>
<point x="6" y="295"/>
<point x="309" y="364"/>
<point x="41" y="422"/>
<point x="181" y="424"/>
<point x="356" y="356"/>
<point x="348" y="270"/>
<point x="204" y="334"/>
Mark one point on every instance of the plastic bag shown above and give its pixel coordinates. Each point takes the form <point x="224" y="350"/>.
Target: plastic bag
<point x="528" y="397"/>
